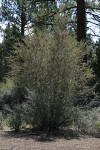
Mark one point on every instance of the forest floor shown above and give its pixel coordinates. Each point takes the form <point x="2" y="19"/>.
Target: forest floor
<point x="30" y="141"/>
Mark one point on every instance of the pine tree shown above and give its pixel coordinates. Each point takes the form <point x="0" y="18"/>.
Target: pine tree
<point x="17" y="12"/>
<point x="77" y="12"/>
<point x="11" y="38"/>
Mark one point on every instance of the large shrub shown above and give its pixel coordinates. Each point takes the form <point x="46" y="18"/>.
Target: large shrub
<point x="50" y="66"/>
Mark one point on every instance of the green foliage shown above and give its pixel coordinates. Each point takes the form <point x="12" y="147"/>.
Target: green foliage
<point x="17" y="12"/>
<point x="50" y="68"/>
<point x="98" y="125"/>
<point x="7" y="48"/>
<point x="88" y="122"/>
<point x="2" y="63"/>
<point x="6" y="86"/>
<point x="13" y="121"/>
<point x="1" y="118"/>
<point x="25" y="14"/>
<point x="96" y="65"/>
<point x="11" y="37"/>
<point x="44" y="14"/>
<point x="96" y="68"/>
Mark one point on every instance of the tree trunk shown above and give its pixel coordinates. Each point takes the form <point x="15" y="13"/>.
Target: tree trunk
<point x="23" y="18"/>
<point x="81" y="20"/>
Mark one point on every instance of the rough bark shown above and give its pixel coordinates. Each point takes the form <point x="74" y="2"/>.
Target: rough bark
<point x="81" y="20"/>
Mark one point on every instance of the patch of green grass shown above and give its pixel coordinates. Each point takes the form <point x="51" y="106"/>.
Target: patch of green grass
<point x="7" y="86"/>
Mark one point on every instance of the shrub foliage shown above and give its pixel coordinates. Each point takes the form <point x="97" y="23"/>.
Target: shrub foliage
<point x="50" y="66"/>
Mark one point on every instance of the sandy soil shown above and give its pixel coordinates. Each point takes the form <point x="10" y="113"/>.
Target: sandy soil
<point x="23" y="141"/>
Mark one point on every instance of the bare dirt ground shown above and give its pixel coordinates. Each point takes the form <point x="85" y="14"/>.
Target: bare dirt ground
<point x="30" y="141"/>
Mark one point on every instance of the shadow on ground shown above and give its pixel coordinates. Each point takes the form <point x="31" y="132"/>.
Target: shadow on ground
<point x="42" y="136"/>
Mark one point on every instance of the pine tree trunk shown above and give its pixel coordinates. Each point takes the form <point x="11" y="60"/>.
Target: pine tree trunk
<point x="23" y="18"/>
<point x="81" y="20"/>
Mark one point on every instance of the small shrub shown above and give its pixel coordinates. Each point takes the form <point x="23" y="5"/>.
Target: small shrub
<point x="6" y="86"/>
<point x="97" y="127"/>
<point x="88" y="122"/>
<point x="23" y="125"/>
<point x="1" y="120"/>
<point x="13" y="121"/>
<point x="70" y="133"/>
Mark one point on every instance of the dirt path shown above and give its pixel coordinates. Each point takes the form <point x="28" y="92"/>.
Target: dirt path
<point x="35" y="142"/>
